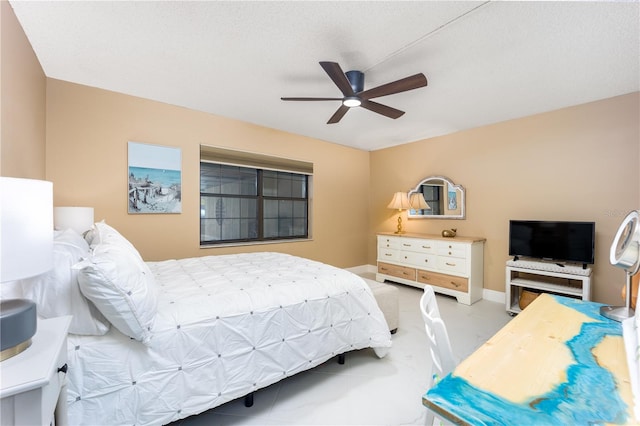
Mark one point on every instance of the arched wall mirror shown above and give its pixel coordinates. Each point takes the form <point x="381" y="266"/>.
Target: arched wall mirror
<point x="445" y="199"/>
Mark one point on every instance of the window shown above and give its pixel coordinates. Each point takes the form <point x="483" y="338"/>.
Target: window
<point x="243" y="204"/>
<point x="433" y="197"/>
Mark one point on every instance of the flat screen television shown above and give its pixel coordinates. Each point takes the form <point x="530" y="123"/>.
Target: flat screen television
<point x="557" y="241"/>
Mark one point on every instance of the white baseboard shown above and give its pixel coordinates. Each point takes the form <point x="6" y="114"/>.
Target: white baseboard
<point x="363" y="269"/>
<point x="491" y="295"/>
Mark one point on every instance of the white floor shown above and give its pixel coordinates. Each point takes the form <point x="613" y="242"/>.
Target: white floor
<point x="366" y="390"/>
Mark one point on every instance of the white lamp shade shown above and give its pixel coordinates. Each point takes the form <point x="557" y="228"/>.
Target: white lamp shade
<point x="418" y="202"/>
<point x="400" y="201"/>
<point x="26" y="228"/>
<point x="80" y="219"/>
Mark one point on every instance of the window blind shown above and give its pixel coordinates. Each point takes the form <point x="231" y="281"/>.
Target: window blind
<point x="213" y="154"/>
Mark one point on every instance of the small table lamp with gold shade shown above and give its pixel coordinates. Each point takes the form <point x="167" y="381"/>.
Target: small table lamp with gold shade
<point x="401" y="201"/>
<point x="26" y="250"/>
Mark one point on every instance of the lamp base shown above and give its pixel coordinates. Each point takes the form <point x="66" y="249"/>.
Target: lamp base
<point x="15" y="350"/>
<point x="399" y="230"/>
<point x="18" y="324"/>
<point x="617" y="313"/>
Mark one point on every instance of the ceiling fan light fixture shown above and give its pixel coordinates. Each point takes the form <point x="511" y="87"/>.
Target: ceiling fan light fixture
<point x="351" y="102"/>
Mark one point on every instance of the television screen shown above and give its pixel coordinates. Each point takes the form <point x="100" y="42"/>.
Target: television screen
<point x="560" y="241"/>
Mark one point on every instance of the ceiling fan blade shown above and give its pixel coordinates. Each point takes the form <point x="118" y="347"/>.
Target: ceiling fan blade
<point x="311" y="99"/>
<point x="402" y="85"/>
<point x="337" y="116"/>
<point x="387" y="111"/>
<point x="339" y="78"/>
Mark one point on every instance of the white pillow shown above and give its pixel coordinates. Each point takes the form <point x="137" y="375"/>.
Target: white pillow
<point x="105" y="234"/>
<point x="122" y="287"/>
<point x="57" y="292"/>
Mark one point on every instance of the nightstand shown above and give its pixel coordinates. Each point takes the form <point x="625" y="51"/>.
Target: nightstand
<point x="32" y="383"/>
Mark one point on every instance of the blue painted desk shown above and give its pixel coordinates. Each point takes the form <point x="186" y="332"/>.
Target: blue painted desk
<point x="557" y="362"/>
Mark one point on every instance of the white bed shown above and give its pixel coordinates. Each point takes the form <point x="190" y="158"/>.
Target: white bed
<point x="223" y="327"/>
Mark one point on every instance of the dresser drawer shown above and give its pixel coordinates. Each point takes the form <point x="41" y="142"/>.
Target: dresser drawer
<point x="442" y="280"/>
<point x="421" y="260"/>
<point x="397" y="271"/>
<point x="388" y="242"/>
<point x="418" y="245"/>
<point x="452" y="249"/>
<point x="456" y="265"/>
<point x="388" y="254"/>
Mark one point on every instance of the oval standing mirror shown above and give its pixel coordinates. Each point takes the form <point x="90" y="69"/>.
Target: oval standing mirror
<point x="444" y="198"/>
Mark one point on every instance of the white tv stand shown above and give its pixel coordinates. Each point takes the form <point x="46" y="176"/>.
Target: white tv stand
<point x="543" y="277"/>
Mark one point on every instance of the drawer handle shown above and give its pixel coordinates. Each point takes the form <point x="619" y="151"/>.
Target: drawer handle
<point x="388" y="254"/>
<point x="450" y="247"/>
<point x="455" y="284"/>
<point x="406" y="245"/>
<point x="449" y="253"/>
<point x="450" y="264"/>
<point x="426" y="261"/>
<point x="406" y="257"/>
<point x="405" y="273"/>
<point x="426" y="247"/>
<point x="383" y="269"/>
<point x="63" y="369"/>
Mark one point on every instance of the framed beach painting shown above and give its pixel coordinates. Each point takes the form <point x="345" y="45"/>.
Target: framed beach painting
<point x="155" y="178"/>
<point x="453" y="200"/>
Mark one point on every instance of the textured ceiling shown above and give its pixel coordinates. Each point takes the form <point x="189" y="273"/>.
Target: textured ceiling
<point x="486" y="62"/>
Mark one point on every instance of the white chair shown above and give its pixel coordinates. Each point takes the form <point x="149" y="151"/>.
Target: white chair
<point x="443" y="361"/>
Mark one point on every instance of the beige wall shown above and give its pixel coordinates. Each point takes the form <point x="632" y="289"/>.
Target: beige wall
<point x="22" y="102"/>
<point x="578" y="163"/>
<point x="87" y="134"/>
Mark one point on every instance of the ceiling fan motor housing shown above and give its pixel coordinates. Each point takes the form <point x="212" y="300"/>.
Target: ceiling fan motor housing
<point x="356" y="79"/>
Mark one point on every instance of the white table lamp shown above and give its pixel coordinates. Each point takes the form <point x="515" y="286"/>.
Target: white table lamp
<point x="26" y="250"/>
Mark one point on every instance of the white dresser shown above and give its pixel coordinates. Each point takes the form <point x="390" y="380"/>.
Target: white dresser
<point x="453" y="266"/>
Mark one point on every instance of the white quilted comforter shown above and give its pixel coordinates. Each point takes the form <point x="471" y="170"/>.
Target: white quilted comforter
<point x="226" y="326"/>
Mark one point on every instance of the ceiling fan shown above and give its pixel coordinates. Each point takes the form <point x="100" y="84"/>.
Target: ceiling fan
<point x="351" y="84"/>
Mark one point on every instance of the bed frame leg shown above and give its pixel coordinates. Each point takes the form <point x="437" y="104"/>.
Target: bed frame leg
<point x="248" y="400"/>
<point x="341" y="359"/>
